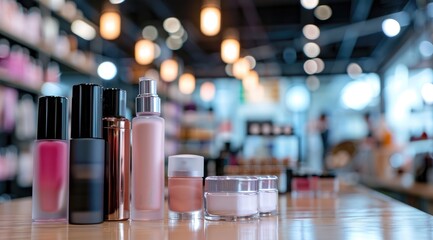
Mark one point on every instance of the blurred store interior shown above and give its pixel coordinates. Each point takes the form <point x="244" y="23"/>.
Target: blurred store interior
<point x="255" y="86"/>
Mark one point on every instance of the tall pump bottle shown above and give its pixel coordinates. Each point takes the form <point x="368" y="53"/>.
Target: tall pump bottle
<point x="147" y="182"/>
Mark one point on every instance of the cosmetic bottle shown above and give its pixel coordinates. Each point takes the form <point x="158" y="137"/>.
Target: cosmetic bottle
<point x="50" y="171"/>
<point x="87" y="148"/>
<point x="185" y="186"/>
<point x="231" y="198"/>
<point x="117" y="136"/>
<point x="147" y="187"/>
<point x="327" y="185"/>
<point x="301" y="186"/>
<point x="268" y="195"/>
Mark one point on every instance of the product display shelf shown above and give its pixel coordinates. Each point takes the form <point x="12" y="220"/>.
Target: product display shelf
<point x="57" y="14"/>
<point x="7" y="81"/>
<point x="48" y="52"/>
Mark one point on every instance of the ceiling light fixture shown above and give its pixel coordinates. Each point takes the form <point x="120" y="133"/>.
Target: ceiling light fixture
<point x="110" y="24"/>
<point x="107" y="70"/>
<point x="323" y="12"/>
<point x="311" y="32"/>
<point x="210" y="18"/>
<point x="171" y="25"/>
<point x="241" y="68"/>
<point x="230" y="47"/>
<point x="169" y="70"/>
<point x="144" y="51"/>
<point x="83" y="29"/>
<point x="310" y="67"/>
<point x="116" y="1"/>
<point x="311" y="50"/>
<point x="354" y="70"/>
<point x="174" y="43"/>
<point x="320" y="65"/>
<point x="150" y="32"/>
<point x="251" y="60"/>
<point x="391" y="27"/>
<point x="187" y="83"/>
<point x="309" y="4"/>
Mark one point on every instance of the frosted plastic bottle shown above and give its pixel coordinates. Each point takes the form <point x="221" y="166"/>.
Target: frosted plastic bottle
<point x="147" y="182"/>
<point x="50" y="176"/>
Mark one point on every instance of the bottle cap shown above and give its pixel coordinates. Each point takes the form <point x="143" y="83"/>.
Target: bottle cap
<point x="52" y="118"/>
<point x="231" y="184"/>
<point x="114" y="102"/>
<point x="185" y="165"/>
<point x="147" y="100"/>
<point x="86" y="111"/>
<point x="268" y="182"/>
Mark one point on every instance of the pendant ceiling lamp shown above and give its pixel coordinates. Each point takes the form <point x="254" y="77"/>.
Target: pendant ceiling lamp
<point x="230" y="46"/>
<point x="169" y="70"/>
<point x="187" y="83"/>
<point x="110" y="23"/>
<point x="144" y="51"/>
<point x="210" y="17"/>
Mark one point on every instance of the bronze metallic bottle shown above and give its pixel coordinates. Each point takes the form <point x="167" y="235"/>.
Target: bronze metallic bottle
<point x="116" y="132"/>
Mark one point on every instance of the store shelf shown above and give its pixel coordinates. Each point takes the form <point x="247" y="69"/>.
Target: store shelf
<point x="46" y="51"/>
<point x="7" y="81"/>
<point x="57" y="14"/>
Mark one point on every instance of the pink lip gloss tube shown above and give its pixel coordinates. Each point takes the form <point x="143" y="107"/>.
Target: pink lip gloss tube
<point x="147" y="183"/>
<point x="185" y="186"/>
<point x="50" y="172"/>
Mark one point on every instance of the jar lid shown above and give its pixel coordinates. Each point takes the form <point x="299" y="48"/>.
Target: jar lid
<point x="185" y="165"/>
<point x="231" y="184"/>
<point x="268" y="182"/>
<point x="327" y="175"/>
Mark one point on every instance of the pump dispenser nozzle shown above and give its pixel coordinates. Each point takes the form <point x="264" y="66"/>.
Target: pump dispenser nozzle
<point x="147" y="100"/>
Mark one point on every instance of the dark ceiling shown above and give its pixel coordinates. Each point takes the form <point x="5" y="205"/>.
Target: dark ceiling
<point x="270" y="30"/>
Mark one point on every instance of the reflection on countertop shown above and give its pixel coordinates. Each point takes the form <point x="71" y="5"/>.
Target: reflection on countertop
<point x="355" y="213"/>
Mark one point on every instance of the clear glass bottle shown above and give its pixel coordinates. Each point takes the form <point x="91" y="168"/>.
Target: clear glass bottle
<point x="185" y="186"/>
<point x="147" y="182"/>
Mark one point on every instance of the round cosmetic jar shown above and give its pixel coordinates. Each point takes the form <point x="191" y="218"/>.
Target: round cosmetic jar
<point x="268" y="195"/>
<point x="231" y="198"/>
<point x="185" y="186"/>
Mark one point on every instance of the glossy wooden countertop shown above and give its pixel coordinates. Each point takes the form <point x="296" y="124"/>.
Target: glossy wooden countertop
<point x="356" y="213"/>
<point x="400" y="185"/>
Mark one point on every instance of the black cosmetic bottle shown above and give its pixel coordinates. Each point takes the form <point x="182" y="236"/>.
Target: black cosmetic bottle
<point x="87" y="148"/>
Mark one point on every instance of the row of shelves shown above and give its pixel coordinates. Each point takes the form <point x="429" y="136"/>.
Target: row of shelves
<point x="68" y="61"/>
<point x="6" y="80"/>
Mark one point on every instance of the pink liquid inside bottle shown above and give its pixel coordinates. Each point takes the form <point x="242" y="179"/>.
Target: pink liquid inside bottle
<point x="50" y="172"/>
<point x="51" y="175"/>
<point x="185" y="186"/>
<point x="147" y="185"/>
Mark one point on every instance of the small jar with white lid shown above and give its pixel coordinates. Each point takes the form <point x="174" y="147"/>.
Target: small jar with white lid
<point x="268" y="195"/>
<point x="231" y="198"/>
<point x="185" y="186"/>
